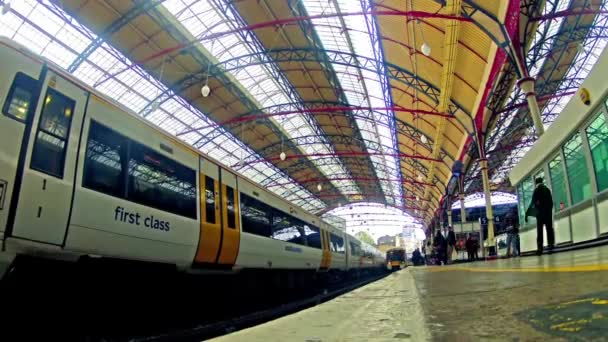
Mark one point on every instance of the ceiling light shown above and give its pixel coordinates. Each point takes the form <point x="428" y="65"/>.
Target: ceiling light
<point x="426" y="49"/>
<point x="420" y="177"/>
<point x="205" y="90"/>
<point x="423" y="138"/>
<point x="282" y="156"/>
<point x="319" y="187"/>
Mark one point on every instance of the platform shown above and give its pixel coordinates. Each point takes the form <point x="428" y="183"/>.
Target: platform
<point x="562" y="296"/>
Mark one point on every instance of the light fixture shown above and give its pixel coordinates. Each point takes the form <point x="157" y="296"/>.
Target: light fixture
<point x="423" y="138"/>
<point x="282" y="156"/>
<point x="417" y="198"/>
<point x="419" y="177"/>
<point x="426" y="49"/>
<point x="319" y="187"/>
<point x="6" y="8"/>
<point x="205" y="90"/>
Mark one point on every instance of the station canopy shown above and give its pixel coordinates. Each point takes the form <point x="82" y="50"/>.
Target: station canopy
<point x="330" y="102"/>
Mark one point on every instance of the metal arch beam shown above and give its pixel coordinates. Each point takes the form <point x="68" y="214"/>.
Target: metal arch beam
<point x="311" y="55"/>
<point x="134" y="12"/>
<point x="317" y="108"/>
<point x="190" y="80"/>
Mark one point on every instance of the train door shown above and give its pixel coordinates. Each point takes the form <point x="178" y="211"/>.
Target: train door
<point x="326" y="256"/>
<point x="211" y="225"/>
<point x="229" y="245"/>
<point x="19" y="92"/>
<point x="49" y="169"/>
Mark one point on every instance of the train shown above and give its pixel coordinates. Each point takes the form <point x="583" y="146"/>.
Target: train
<point x="84" y="177"/>
<point x="396" y="259"/>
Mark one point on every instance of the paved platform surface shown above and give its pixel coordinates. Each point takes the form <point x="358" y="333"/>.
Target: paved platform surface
<point x="559" y="297"/>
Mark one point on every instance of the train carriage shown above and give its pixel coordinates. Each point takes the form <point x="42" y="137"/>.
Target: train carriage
<point x="84" y="176"/>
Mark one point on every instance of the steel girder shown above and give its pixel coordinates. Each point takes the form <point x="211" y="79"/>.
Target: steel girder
<point x="125" y="19"/>
<point x="403" y="128"/>
<point x="189" y="81"/>
<point x="313" y="55"/>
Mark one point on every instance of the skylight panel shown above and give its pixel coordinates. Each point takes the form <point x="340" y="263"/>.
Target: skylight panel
<point x="333" y="36"/>
<point x="128" y="87"/>
<point x="257" y="79"/>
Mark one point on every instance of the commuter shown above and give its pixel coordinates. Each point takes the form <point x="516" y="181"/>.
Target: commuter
<point x="440" y="246"/>
<point x="451" y="244"/>
<point x="469" y="246"/>
<point x="542" y="207"/>
<point x="512" y="224"/>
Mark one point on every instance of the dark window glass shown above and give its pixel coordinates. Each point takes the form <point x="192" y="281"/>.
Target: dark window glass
<point x="161" y="183"/>
<point x="52" y="135"/>
<point x="152" y="179"/>
<point x="255" y="216"/>
<point x="209" y="199"/>
<point x="230" y="206"/>
<point x="355" y="249"/>
<point x="105" y="161"/>
<point x="313" y="236"/>
<point x="597" y="134"/>
<point x="337" y="243"/>
<point x="19" y="97"/>
<point x="287" y="228"/>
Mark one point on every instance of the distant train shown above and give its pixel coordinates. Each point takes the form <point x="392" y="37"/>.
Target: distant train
<point x="82" y="176"/>
<point x="396" y="259"/>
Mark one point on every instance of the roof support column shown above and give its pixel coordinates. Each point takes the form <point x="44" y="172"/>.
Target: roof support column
<point x="463" y="212"/>
<point x="483" y="163"/>
<point x="526" y="84"/>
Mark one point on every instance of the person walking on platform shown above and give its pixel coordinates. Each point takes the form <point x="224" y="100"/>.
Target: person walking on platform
<point x="440" y="246"/>
<point x="451" y="240"/>
<point x="512" y="234"/>
<point x="542" y="207"/>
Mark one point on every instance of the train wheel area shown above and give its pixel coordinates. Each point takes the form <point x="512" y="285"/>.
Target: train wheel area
<point x="559" y="297"/>
<point x="99" y="299"/>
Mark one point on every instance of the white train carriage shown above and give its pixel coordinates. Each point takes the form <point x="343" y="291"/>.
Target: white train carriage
<point x="81" y="175"/>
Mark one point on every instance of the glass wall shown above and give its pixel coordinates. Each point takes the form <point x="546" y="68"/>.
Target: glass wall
<point x="576" y="166"/>
<point x="597" y="134"/>
<point x="558" y="183"/>
<point x="528" y="190"/>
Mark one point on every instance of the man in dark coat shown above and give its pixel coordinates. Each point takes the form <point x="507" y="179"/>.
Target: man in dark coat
<point x="542" y="204"/>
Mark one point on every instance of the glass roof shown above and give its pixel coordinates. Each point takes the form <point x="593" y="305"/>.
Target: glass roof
<point x="202" y="18"/>
<point x="361" y="87"/>
<point x="47" y="30"/>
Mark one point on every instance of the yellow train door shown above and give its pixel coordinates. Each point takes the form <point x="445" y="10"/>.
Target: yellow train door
<point x="231" y="225"/>
<point x="211" y="227"/>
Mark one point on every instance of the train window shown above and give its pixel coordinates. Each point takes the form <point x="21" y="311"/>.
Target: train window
<point x="576" y="169"/>
<point x="209" y="199"/>
<point x="558" y="184"/>
<point x="48" y="155"/>
<point x="597" y="134"/>
<point x="255" y="216"/>
<point x="152" y="179"/>
<point x="337" y="244"/>
<point x="287" y="228"/>
<point x="161" y="183"/>
<point x="355" y="249"/>
<point x="19" y="99"/>
<point x="313" y="237"/>
<point x="230" y="206"/>
<point x="105" y="161"/>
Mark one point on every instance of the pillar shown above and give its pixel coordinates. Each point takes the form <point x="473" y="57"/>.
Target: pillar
<point x="526" y="84"/>
<point x="463" y="212"/>
<point x="449" y="206"/>
<point x="488" y="195"/>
